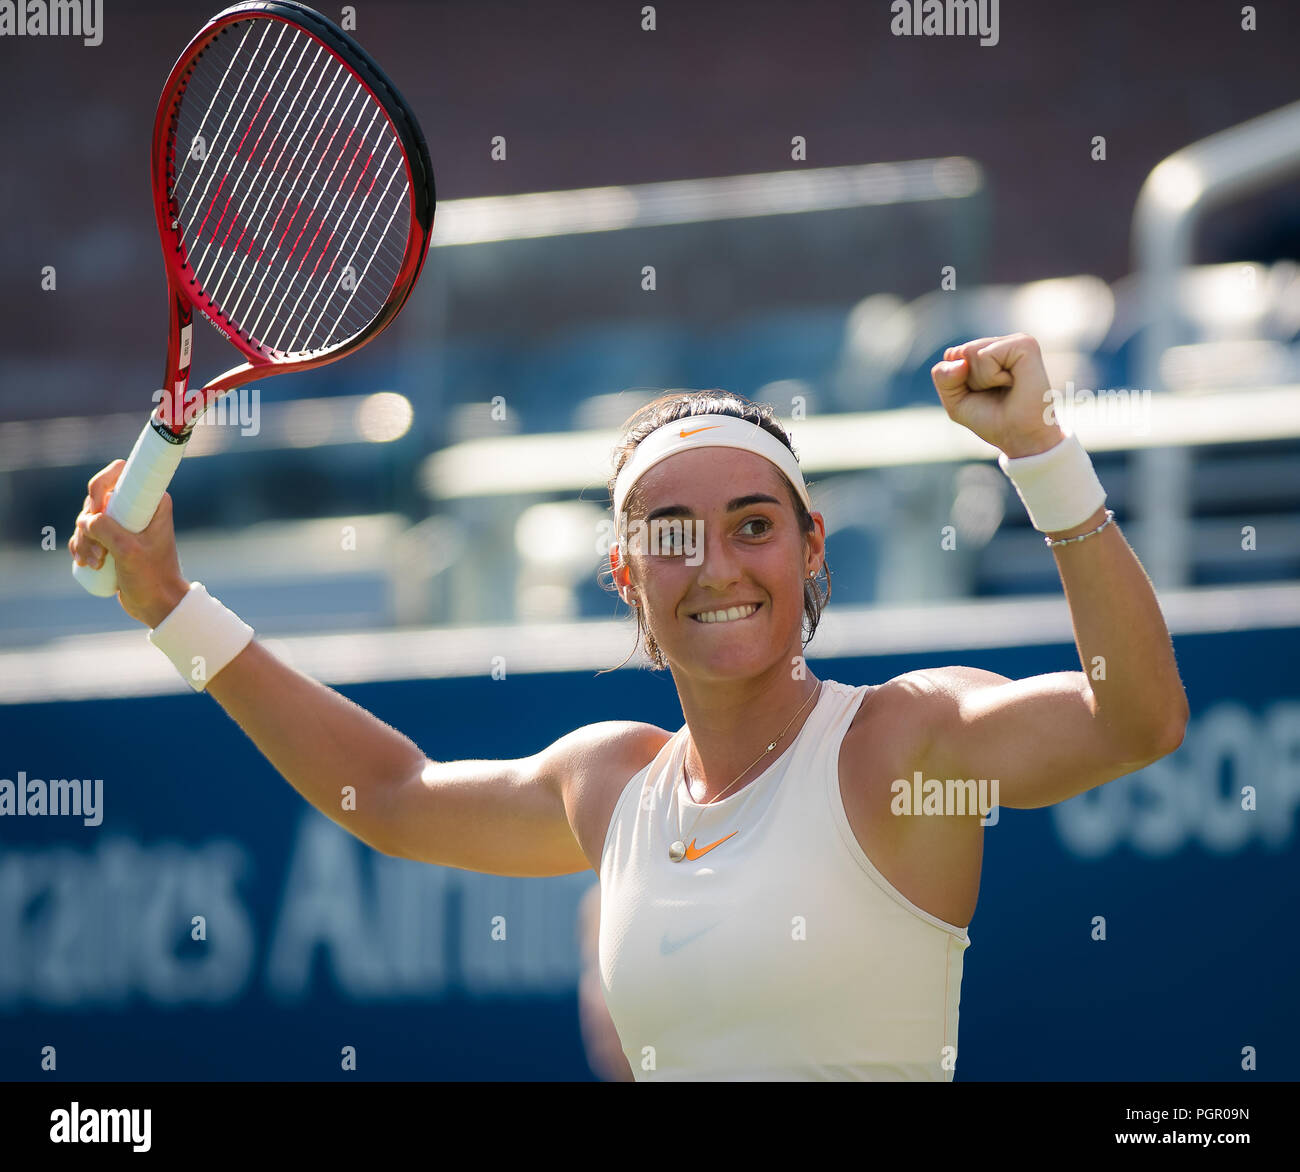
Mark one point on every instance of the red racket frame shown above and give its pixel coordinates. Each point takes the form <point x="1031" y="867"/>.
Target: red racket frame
<point x="176" y="415"/>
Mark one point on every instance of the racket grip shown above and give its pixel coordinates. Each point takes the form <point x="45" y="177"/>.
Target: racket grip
<point x="139" y="491"/>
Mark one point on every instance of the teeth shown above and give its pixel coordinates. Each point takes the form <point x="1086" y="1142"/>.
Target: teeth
<point x="726" y="616"/>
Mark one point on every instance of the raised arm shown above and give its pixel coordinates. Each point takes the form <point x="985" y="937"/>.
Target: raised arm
<point x="510" y="817"/>
<point x="504" y="817"/>
<point x="1050" y="737"/>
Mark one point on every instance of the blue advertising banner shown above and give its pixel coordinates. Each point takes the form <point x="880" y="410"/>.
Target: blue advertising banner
<point x="194" y="918"/>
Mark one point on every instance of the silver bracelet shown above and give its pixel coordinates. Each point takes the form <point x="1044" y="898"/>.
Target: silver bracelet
<point x="1110" y="516"/>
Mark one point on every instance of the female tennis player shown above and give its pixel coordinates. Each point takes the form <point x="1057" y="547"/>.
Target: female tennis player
<point x="786" y="880"/>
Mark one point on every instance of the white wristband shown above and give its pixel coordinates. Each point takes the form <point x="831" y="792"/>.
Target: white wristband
<point x="200" y="636"/>
<point x="1059" y="487"/>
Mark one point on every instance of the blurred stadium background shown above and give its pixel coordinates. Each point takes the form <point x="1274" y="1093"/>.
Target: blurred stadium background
<point x="399" y="523"/>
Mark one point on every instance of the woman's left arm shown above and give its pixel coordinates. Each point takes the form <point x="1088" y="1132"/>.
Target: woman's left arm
<point x="1050" y="737"/>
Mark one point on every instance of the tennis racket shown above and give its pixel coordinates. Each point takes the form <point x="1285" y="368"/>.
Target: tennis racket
<point x="294" y="198"/>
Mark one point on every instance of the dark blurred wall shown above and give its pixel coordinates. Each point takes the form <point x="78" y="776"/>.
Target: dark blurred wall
<point x="584" y="97"/>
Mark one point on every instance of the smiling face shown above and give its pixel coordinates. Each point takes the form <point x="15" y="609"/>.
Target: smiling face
<point x="732" y="605"/>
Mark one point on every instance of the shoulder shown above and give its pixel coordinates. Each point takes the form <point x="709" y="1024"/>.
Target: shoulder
<point x="604" y="747"/>
<point x="905" y="712"/>
<point x="931" y="691"/>
<point x="590" y="767"/>
<point x="936" y="685"/>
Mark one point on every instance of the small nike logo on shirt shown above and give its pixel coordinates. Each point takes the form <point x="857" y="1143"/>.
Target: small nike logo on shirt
<point x="693" y="853"/>
<point x="684" y="434"/>
<point x="667" y="946"/>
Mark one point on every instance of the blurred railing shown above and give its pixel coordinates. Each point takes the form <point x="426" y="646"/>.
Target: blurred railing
<point x="1232" y="165"/>
<point x="465" y="483"/>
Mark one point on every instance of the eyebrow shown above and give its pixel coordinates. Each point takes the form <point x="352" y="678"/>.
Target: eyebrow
<point x="740" y="502"/>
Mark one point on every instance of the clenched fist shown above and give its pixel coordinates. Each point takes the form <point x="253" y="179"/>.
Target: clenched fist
<point x="998" y="388"/>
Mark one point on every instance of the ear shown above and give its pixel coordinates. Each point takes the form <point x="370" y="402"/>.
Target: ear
<point x="622" y="579"/>
<point x="816" y="540"/>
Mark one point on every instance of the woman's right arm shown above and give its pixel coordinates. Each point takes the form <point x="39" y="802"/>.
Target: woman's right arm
<point x="504" y="817"/>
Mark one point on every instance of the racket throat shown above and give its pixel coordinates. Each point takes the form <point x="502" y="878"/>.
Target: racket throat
<point x="176" y="416"/>
<point x="160" y="425"/>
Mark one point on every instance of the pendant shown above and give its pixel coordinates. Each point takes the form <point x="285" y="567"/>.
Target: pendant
<point x="677" y="852"/>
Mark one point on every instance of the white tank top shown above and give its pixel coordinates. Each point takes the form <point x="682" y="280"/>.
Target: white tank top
<point x="781" y="953"/>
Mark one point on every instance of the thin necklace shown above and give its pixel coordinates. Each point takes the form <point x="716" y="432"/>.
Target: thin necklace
<point x="677" y="851"/>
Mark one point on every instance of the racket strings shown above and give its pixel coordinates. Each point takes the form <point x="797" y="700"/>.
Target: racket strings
<point x="216" y="225"/>
<point x="281" y="242"/>
<point x="294" y="212"/>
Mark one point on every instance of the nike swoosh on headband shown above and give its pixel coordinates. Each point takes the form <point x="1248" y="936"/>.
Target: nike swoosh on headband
<point x="732" y="433"/>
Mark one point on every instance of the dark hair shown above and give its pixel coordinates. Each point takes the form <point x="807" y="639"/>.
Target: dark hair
<point x="669" y="408"/>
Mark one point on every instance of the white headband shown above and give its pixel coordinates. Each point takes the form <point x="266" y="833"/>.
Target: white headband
<point x="707" y="431"/>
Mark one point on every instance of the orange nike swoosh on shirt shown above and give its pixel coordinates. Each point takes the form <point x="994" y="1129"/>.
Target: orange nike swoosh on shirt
<point x="692" y="853"/>
<point x="683" y="433"/>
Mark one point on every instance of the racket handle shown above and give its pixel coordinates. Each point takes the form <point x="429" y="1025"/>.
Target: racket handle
<point x="139" y="491"/>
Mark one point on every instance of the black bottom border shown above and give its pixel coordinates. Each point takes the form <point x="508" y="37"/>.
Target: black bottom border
<point x="339" y="1118"/>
